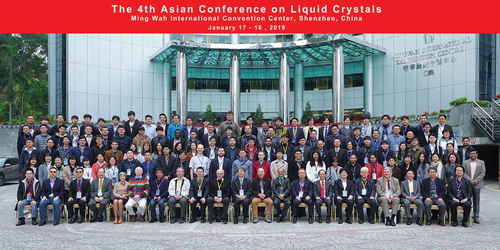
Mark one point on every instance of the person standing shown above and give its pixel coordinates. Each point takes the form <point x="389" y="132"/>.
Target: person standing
<point x="475" y="171"/>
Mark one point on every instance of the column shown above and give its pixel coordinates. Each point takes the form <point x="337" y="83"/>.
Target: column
<point x="284" y="88"/>
<point x="338" y="84"/>
<point x="167" y="83"/>
<point x="234" y="86"/>
<point x="298" y="85"/>
<point x="368" y="80"/>
<point x="181" y="84"/>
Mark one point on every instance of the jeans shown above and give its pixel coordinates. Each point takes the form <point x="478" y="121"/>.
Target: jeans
<point x="20" y="209"/>
<point x="43" y="208"/>
<point x="476" y="197"/>
<point x="161" y="207"/>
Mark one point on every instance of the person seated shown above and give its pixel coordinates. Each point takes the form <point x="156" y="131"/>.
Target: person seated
<point x="120" y="197"/>
<point x="220" y="193"/>
<point x="410" y="193"/>
<point x="388" y="191"/>
<point x="433" y="194"/>
<point x="460" y="193"/>
<point x="281" y="190"/>
<point x="28" y="193"/>
<point x="178" y="189"/>
<point x="100" y="194"/>
<point x="138" y="191"/>
<point x="242" y="190"/>
<point x="261" y="192"/>
<point x="198" y="193"/>
<point x="158" y="195"/>
<point x="364" y="191"/>
<point x="302" y="192"/>
<point x="323" y="193"/>
<point x="52" y="194"/>
<point x="79" y="193"/>
<point x="344" y="193"/>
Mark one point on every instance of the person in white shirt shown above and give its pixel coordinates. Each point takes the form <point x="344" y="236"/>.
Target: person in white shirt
<point x="149" y="127"/>
<point x="199" y="160"/>
<point x="277" y="164"/>
<point x="178" y="189"/>
<point x="314" y="166"/>
<point x="445" y="139"/>
<point x="87" y="169"/>
<point x="112" y="171"/>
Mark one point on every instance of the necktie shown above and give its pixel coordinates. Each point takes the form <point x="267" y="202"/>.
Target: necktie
<point x="322" y="189"/>
<point x="79" y="185"/>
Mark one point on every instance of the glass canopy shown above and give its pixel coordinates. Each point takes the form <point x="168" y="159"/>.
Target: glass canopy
<point x="301" y="51"/>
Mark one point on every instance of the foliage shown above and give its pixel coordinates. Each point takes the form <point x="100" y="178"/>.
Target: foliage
<point x="483" y="103"/>
<point x="459" y="101"/>
<point x="307" y="113"/>
<point x="209" y="114"/>
<point x="258" y="117"/>
<point x="23" y="75"/>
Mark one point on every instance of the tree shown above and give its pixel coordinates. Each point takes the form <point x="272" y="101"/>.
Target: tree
<point x="258" y="117"/>
<point x="23" y="76"/>
<point x="209" y="114"/>
<point x="307" y="113"/>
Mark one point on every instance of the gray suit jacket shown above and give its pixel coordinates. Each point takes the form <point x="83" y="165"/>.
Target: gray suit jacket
<point x="478" y="175"/>
<point x="107" y="188"/>
<point x="328" y="188"/>
<point x="381" y="186"/>
<point x="405" y="189"/>
<point x="285" y="187"/>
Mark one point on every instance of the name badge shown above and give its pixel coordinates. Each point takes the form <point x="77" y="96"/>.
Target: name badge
<point x="28" y="196"/>
<point x="114" y="180"/>
<point x="129" y="171"/>
<point x="459" y="195"/>
<point x="344" y="193"/>
<point x="412" y="194"/>
<point x="219" y="193"/>
<point x="385" y="164"/>
<point x="200" y="194"/>
<point x="285" y="156"/>
<point x="177" y="192"/>
<point x="99" y="192"/>
<point x="242" y="192"/>
<point x="78" y="195"/>
<point x="316" y="176"/>
<point x="147" y="176"/>
<point x="157" y="192"/>
<point x="363" y="191"/>
<point x="294" y="140"/>
<point x="366" y="159"/>
<point x="388" y="192"/>
<point x="51" y="195"/>
<point x="385" y="137"/>
<point x="280" y="190"/>
<point x="81" y="158"/>
<point x="301" y="194"/>
<point x="374" y="176"/>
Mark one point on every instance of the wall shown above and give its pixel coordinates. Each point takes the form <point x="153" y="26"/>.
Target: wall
<point x="9" y="138"/>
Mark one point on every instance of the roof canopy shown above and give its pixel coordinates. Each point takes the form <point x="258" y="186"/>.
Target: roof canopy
<point x="302" y="51"/>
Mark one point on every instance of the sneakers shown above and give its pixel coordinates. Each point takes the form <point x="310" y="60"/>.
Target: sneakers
<point x="268" y="219"/>
<point x="256" y="219"/>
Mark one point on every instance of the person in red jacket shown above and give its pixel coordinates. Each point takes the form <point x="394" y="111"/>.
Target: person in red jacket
<point x="375" y="169"/>
<point x="261" y="163"/>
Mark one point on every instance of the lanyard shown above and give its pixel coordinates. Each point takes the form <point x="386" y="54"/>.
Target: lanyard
<point x="220" y="185"/>
<point x="284" y="149"/>
<point x="459" y="185"/>
<point x="201" y="183"/>
<point x="363" y="183"/>
<point x="100" y="184"/>
<point x="385" y="155"/>
<point x="294" y="131"/>
<point x="158" y="185"/>
<point x="261" y="165"/>
<point x="299" y="165"/>
<point x="182" y="184"/>
<point x="302" y="183"/>
<point x="30" y="186"/>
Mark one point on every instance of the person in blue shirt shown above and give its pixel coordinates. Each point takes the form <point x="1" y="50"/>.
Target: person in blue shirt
<point x="149" y="166"/>
<point x="174" y="126"/>
<point x="158" y="195"/>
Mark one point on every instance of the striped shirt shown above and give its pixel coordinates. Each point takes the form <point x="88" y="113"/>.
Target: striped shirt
<point x="138" y="186"/>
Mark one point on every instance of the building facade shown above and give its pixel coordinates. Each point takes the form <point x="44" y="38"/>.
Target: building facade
<point x="107" y="74"/>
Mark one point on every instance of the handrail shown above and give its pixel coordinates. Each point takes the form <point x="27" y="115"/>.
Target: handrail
<point x="495" y="107"/>
<point x="484" y="120"/>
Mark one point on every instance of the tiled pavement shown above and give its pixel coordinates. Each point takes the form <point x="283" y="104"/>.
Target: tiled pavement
<point x="286" y="235"/>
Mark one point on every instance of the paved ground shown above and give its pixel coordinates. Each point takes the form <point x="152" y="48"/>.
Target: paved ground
<point x="251" y="236"/>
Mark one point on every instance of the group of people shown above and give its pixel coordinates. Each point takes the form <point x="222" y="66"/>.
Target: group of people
<point x="136" y="164"/>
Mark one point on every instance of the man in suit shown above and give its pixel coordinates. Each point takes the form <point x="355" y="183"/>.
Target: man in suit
<point x="158" y="195"/>
<point x="241" y="192"/>
<point x="326" y="130"/>
<point x="281" y="190"/>
<point x="101" y="191"/>
<point x="323" y="193"/>
<point x="366" y="150"/>
<point x="294" y="165"/>
<point x="410" y="194"/>
<point x="246" y="136"/>
<point x="188" y="129"/>
<point x="127" y="166"/>
<point x="255" y="130"/>
<point x="460" y="193"/>
<point x="344" y="191"/>
<point x="132" y="125"/>
<point x="220" y="162"/>
<point x="475" y="170"/>
<point x="305" y="149"/>
<point x="464" y="150"/>
<point x="79" y="193"/>
<point x="52" y="194"/>
<point x="295" y="133"/>
<point x="178" y="190"/>
<point x="166" y="162"/>
<point x="388" y="191"/>
<point x="224" y="139"/>
<point x="346" y="129"/>
<point x="385" y="128"/>
<point x="405" y="126"/>
<point x="432" y="147"/>
<point x="353" y="168"/>
<point x="198" y="193"/>
<point x="302" y="192"/>
<point x="211" y="149"/>
<point x="423" y="135"/>
<point x="269" y="150"/>
<point x="364" y="191"/>
<point x="220" y="193"/>
<point x="433" y="194"/>
<point x="261" y="192"/>
<point x="438" y="128"/>
<point x="335" y="135"/>
<point x="205" y="139"/>
<point x="338" y="152"/>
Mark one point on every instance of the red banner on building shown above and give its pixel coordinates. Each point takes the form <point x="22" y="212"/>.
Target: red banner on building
<point x="256" y="16"/>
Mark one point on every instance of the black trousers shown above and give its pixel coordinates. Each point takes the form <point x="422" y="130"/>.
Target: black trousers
<point x="309" y="203"/>
<point x="71" y="211"/>
<point x="201" y="210"/>
<point x="466" y="206"/>
<point x="211" y="211"/>
<point x="371" y="210"/>
<point x="277" y="206"/>
<point x="328" y="204"/>
<point x="237" y="202"/>
<point x="348" y="210"/>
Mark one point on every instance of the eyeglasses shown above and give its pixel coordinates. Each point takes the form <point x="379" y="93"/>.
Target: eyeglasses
<point x="53" y="171"/>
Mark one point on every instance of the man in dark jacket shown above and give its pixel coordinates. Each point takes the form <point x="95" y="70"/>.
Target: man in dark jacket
<point x="79" y="194"/>
<point x="28" y="193"/>
<point x="433" y="192"/>
<point x="52" y="194"/>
